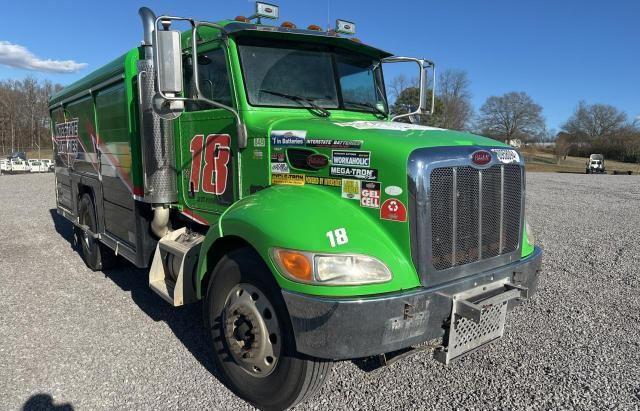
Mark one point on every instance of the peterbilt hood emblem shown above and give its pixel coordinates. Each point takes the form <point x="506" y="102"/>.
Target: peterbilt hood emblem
<point x="481" y="157"/>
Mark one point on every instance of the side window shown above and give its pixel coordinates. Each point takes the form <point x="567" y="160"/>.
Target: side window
<point x="214" y="80"/>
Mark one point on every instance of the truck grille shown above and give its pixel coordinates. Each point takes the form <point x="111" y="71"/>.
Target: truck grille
<point x="475" y="214"/>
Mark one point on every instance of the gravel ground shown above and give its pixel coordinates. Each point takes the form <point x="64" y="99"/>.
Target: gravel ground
<point x="76" y="339"/>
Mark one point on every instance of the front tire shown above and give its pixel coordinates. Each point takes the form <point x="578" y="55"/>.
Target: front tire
<point x="252" y="338"/>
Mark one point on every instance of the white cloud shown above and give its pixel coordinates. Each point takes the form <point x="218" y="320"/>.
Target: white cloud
<point x="14" y="55"/>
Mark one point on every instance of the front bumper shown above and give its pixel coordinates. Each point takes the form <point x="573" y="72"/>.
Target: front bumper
<point x="343" y="328"/>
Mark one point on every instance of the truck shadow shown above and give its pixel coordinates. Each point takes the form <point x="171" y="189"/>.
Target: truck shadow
<point x="185" y="322"/>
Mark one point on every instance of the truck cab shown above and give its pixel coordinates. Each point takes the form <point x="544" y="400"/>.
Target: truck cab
<point x="257" y="167"/>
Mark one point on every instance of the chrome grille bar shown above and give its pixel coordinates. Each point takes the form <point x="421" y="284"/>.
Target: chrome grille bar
<point x="454" y="213"/>
<point x="500" y="247"/>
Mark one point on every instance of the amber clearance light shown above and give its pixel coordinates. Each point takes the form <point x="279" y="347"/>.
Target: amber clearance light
<point x="296" y="264"/>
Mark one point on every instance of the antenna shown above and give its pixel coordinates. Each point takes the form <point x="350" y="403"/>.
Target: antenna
<point x="328" y="15"/>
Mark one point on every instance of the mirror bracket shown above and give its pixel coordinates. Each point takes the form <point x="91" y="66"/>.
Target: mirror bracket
<point x="171" y="98"/>
<point x="424" y="66"/>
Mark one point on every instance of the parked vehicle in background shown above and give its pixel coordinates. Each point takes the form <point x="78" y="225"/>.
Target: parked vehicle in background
<point x="5" y="165"/>
<point x="48" y="164"/>
<point x="595" y="164"/>
<point x="19" y="166"/>
<point x="37" y="166"/>
<point x="18" y="155"/>
<point x="267" y="177"/>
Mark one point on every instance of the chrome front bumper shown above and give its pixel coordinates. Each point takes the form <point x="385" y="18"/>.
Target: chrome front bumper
<point x="345" y="328"/>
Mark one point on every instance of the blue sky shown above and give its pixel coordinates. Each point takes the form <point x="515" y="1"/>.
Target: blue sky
<point x="558" y="51"/>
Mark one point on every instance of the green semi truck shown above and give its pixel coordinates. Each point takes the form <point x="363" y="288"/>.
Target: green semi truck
<point x="257" y="167"/>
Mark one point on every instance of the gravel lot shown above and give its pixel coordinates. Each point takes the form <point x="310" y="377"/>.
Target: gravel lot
<point x="71" y="337"/>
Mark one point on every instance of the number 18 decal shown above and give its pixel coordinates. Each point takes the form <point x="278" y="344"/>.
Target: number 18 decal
<point x="216" y="160"/>
<point x="337" y="237"/>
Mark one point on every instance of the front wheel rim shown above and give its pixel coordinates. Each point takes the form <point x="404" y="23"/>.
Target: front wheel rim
<point x="251" y="330"/>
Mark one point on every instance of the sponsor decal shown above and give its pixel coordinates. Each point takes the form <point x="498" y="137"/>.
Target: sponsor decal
<point x="370" y="194"/>
<point x="330" y="143"/>
<point x="351" y="158"/>
<point x="258" y="154"/>
<point x="351" y="189"/>
<point x="67" y="143"/>
<point x="288" y="137"/>
<point x="481" y="157"/>
<point x="66" y="130"/>
<point x="277" y="157"/>
<point x="506" y="155"/>
<point x="288" y="179"/>
<point x="386" y="125"/>
<point x="323" y="181"/>
<point x="317" y="161"/>
<point x="393" y="190"/>
<point x="259" y="142"/>
<point x="393" y="210"/>
<point x="279" y="168"/>
<point x="355" y="172"/>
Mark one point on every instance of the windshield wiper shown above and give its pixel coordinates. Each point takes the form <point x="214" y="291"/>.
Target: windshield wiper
<point x="310" y="101"/>
<point x="373" y="108"/>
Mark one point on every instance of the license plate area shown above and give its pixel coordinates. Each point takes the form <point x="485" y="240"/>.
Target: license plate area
<point x="476" y="321"/>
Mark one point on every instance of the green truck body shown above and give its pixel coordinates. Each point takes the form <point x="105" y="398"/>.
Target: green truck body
<point x="303" y="182"/>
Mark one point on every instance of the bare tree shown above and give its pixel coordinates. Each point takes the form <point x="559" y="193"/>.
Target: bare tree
<point x="456" y="110"/>
<point x="512" y="115"/>
<point x="591" y="121"/>
<point x="563" y="146"/>
<point x="24" y="114"/>
<point x="399" y="84"/>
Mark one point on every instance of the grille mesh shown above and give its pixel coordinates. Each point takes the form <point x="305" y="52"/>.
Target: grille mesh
<point x="475" y="214"/>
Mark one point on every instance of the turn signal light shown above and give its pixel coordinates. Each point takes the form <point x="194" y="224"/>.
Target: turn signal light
<point x="314" y="27"/>
<point x="288" y="25"/>
<point x="296" y="264"/>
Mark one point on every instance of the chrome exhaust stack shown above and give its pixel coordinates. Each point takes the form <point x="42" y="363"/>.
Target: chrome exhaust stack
<point x="158" y="152"/>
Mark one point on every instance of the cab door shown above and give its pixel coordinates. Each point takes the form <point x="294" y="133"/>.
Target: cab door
<point x="208" y="135"/>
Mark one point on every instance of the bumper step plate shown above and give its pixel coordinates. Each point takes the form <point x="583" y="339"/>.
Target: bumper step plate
<point x="476" y="321"/>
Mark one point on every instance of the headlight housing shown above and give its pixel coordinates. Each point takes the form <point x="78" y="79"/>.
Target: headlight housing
<point x="330" y="269"/>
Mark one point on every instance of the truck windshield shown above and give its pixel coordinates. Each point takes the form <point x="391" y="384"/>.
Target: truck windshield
<point x="292" y="75"/>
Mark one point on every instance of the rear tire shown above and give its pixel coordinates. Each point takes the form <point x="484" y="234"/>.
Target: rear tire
<point x="96" y="255"/>
<point x="261" y="367"/>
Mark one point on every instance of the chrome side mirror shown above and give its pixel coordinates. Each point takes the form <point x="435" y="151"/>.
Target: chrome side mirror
<point x="423" y="108"/>
<point x="168" y="55"/>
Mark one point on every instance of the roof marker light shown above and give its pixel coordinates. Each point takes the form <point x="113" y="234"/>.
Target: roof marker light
<point x="314" y="27"/>
<point x="288" y="25"/>
<point x="345" y="27"/>
<point x="242" y="19"/>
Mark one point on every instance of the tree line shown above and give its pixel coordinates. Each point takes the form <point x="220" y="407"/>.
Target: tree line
<point x="592" y="128"/>
<point x="24" y="114"/>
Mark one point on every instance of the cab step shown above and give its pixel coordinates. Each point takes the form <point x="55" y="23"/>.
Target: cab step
<point x="174" y="265"/>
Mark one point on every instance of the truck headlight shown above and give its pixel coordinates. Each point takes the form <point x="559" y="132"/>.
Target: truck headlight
<point x="529" y="233"/>
<point x="330" y="269"/>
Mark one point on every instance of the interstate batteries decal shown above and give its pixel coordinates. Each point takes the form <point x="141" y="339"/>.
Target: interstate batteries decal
<point x="288" y="137"/>
<point x="329" y="143"/>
